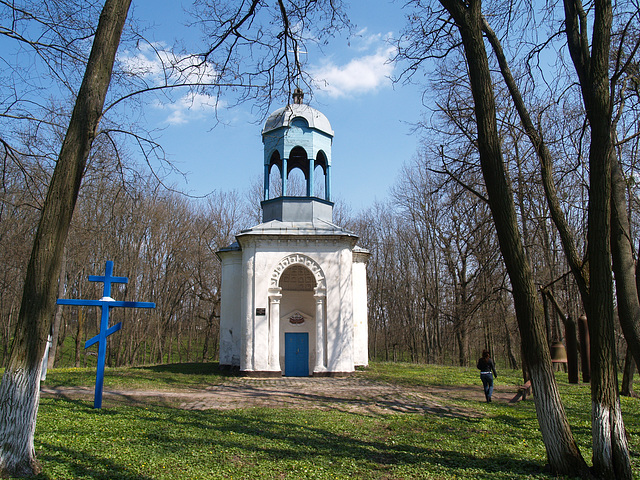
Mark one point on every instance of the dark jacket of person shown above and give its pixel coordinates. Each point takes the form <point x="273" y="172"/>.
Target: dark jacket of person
<point x="486" y="365"/>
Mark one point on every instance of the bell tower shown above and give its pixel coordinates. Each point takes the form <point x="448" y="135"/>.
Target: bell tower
<point x="294" y="287"/>
<point x="297" y="136"/>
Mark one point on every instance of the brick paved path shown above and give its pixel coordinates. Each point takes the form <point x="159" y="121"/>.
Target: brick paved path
<point x="346" y="394"/>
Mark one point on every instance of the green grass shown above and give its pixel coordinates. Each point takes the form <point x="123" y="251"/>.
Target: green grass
<point x="498" y="441"/>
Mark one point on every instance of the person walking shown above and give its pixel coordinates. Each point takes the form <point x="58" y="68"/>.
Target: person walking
<point x="487" y="373"/>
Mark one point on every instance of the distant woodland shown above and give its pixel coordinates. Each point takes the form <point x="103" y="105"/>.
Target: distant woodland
<point x="438" y="289"/>
<point x="438" y="286"/>
<point x="518" y="214"/>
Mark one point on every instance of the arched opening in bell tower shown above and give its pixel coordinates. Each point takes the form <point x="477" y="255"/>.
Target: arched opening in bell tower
<point x="304" y="176"/>
<point x="297" y="173"/>
<point x="321" y="176"/>
<point x="273" y="177"/>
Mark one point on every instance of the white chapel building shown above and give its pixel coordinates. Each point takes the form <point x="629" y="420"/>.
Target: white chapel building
<point x="294" y="288"/>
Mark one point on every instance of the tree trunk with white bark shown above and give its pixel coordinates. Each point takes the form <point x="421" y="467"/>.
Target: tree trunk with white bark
<point x="19" y="391"/>
<point x="562" y="451"/>
<point x="591" y="61"/>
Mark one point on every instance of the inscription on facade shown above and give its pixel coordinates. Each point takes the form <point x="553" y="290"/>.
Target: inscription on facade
<point x="293" y="259"/>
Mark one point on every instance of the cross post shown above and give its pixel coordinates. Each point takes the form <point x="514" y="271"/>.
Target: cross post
<point x="107" y="279"/>
<point x="105" y="303"/>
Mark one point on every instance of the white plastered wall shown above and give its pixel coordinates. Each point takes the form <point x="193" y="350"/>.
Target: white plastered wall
<point x="335" y="260"/>
<point x="339" y="343"/>
<point x="230" y="308"/>
<point x="360" y="315"/>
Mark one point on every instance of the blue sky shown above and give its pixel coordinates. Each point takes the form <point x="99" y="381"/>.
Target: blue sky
<point x="372" y="119"/>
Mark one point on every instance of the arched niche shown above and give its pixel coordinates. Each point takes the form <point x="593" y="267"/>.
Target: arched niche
<point x="299" y="278"/>
<point x="297" y="297"/>
<point x="298" y="258"/>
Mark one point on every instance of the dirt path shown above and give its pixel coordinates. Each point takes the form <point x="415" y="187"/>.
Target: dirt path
<point x="347" y="394"/>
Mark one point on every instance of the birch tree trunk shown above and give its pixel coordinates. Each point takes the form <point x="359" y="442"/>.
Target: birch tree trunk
<point x="19" y="391"/>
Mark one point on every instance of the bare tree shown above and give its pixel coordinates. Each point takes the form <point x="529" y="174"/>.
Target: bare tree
<point x="591" y="60"/>
<point x="604" y="390"/>
<point x="466" y="19"/>
<point x="231" y="37"/>
<point x="19" y="391"/>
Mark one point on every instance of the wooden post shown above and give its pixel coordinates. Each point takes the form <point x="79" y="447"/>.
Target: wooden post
<point x="585" y="348"/>
<point x="571" y="339"/>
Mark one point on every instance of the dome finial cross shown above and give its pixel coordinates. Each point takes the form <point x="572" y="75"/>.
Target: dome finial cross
<point x="298" y="96"/>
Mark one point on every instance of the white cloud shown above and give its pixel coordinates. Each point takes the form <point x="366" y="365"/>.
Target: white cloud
<point x="158" y="66"/>
<point x="142" y="62"/>
<point x="362" y="41"/>
<point x="190" y="107"/>
<point x="360" y="75"/>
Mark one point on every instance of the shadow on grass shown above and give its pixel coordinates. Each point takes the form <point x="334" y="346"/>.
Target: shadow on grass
<point x="255" y="436"/>
<point x="274" y="440"/>
<point x="65" y="462"/>
<point x="74" y="399"/>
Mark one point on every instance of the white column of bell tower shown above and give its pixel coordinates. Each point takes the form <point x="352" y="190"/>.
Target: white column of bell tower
<point x="321" y="365"/>
<point x="247" y="325"/>
<point x="275" y="296"/>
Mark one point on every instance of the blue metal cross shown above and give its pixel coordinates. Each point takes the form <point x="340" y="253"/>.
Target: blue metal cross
<point x="105" y="303"/>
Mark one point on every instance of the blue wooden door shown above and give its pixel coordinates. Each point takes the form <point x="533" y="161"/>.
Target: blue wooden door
<point x="296" y="354"/>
